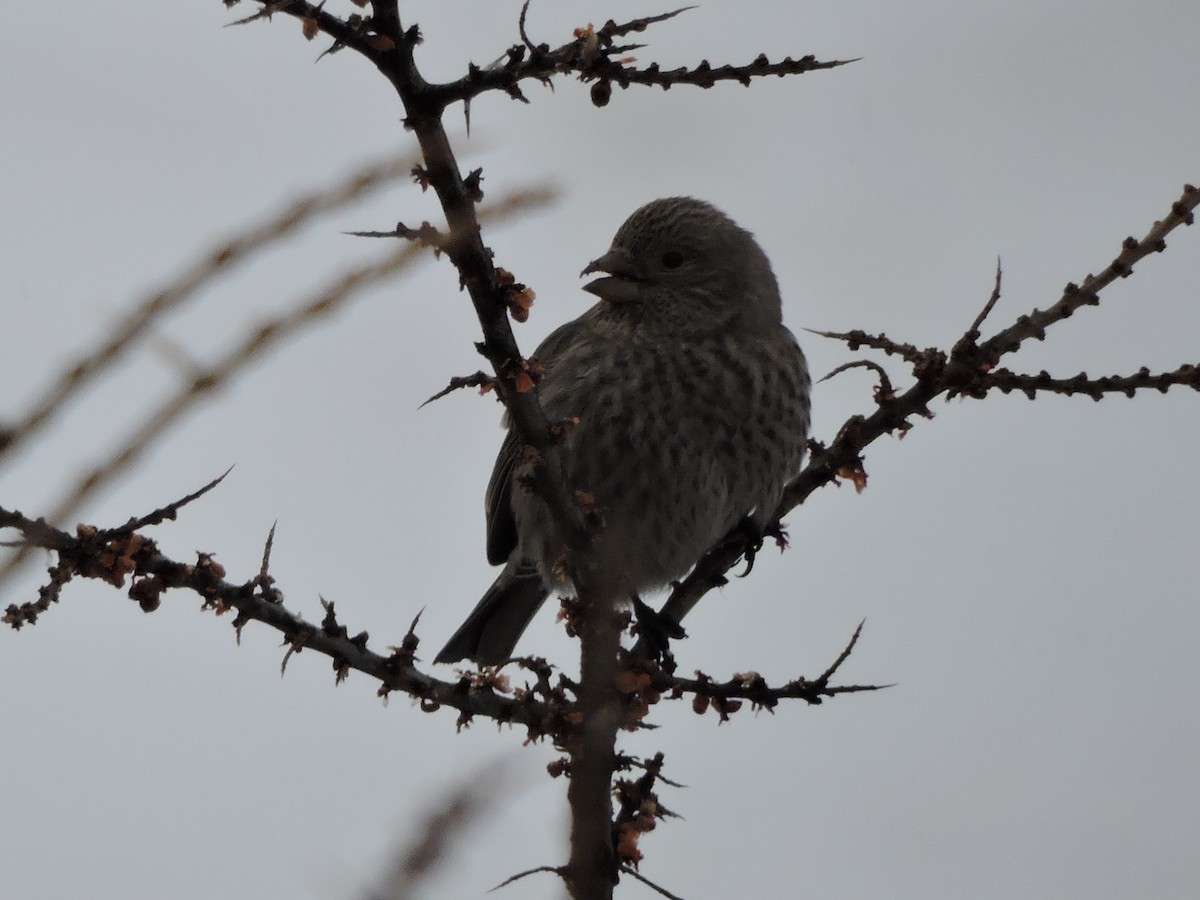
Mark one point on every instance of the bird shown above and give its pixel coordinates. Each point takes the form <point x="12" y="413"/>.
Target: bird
<point x="691" y="406"/>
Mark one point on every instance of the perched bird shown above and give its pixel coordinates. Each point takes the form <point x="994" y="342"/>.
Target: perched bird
<point x="692" y="401"/>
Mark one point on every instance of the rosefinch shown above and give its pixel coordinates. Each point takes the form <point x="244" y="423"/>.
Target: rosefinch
<point x="692" y="401"/>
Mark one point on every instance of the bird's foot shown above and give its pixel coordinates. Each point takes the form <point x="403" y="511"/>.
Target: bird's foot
<point x="755" y="536"/>
<point x="655" y="629"/>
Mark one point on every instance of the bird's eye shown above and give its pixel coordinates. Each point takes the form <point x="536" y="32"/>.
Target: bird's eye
<point x="672" y="259"/>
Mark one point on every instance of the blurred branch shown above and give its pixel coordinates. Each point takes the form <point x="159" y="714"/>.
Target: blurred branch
<point x="382" y="39"/>
<point x="210" y="379"/>
<point x="606" y="699"/>
<point x="595" y="56"/>
<point x="583" y="718"/>
<point x="323" y="302"/>
<point x="445" y="825"/>
<point x="186" y="285"/>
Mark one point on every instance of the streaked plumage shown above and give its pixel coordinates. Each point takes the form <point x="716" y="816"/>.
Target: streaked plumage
<point x="693" y="407"/>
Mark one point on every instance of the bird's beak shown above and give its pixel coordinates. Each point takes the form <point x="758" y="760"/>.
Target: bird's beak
<point x="623" y="281"/>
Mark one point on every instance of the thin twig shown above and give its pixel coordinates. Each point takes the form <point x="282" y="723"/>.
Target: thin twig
<point x="857" y="339"/>
<point x="988" y="307"/>
<point x="481" y="380"/>
<point x="554" y="870"/>
<point x="662" y="891"/>
<point x="169" y="511"/>
<point x="968" y="370"/>
<point x="845" y="655"/>
<point x="324" y="302"/>
<point x="89" y="554"/>
<point x="187" y="285"/>
<point x="1086" y="293"/>
<point x="612" y="30"/>
<point x="521" y="27"/>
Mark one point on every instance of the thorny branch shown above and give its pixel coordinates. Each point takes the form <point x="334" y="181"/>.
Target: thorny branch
<point x="969" y="369"/>
<point x="547" y="708"/>
<point x="1187" y="375"/>
<point x="113" y="555"/>
<point x="594" y="56"/>
<point x="327" y="300"/>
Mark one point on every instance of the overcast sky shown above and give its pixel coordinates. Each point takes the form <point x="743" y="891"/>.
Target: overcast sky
<point x="1027" y="570"/>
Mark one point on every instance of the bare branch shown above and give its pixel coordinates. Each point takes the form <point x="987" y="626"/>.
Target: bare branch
<point x="444" y="825"/>
<point x="481" y="380"/>
<point x="170" y="511"/>
<point x="884" y="392"/>
<point x="554" y="870"/>
<point x="425" y="235"/>
<point x="188" y="284"/>
<point x="973" y="331"/>
<point x="612" y="30"/>
<point x="17" y="616"/>
<point x="329" y="299"/>
<point x="968" y="370"/>
<point x="1074" y="296"/>
<point x="355" y="31"/>
<point x="857" y="339"/>
<point x="1187" y="375"/>
<point x="587" y="58"/>
<point x="843" y="656"/>
<point x="113" y="557"/>
<point x="211" y="378"/>
<point x="661" y="891"/>
<point x="726" y="698"/>
<point x="269" y="8"/>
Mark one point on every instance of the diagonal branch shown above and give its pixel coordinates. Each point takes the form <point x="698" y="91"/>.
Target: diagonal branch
<point x="212" y="378"/>
<point x="968" y="369"/>
<point x="112" y="555"/>
<point x="187" y="285"/>
<point x="1087" y="292"/>
<point x="327" y="300"/>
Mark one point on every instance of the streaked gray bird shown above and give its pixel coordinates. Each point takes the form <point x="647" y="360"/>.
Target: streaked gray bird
<point x="693" y="407"/>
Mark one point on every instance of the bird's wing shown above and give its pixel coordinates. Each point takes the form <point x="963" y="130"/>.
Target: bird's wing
<point x="497" y="502"/>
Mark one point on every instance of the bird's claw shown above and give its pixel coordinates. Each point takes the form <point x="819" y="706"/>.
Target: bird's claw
<point x="656" y="629"/>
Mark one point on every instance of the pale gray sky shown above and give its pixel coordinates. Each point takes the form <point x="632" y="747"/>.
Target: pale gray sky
<point x="1027" y="570"/>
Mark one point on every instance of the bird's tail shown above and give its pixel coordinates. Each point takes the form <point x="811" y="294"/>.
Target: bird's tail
<point x="492" y="629"/>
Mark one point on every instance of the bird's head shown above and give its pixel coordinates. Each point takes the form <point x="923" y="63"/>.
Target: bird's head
<point x="682" y="261"/>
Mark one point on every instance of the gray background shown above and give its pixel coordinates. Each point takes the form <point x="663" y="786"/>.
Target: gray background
<point x="1027" y="570"/>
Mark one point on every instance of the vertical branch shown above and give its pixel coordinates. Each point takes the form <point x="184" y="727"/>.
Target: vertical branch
<point x="424" y="107"/>
<point x="591" y="870"/>
<point x="595" y="56"/>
